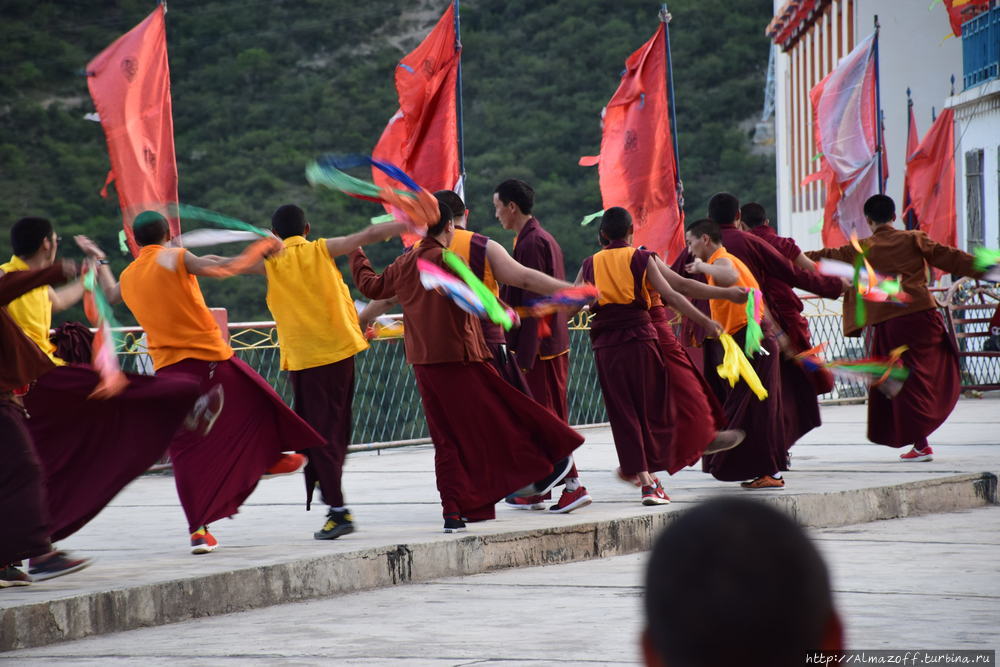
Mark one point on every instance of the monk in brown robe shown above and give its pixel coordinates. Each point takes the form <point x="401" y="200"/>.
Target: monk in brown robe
<point x="653" y="429"/>
<point x="498" y="440"/>
<point x="777" y="276"/>
<point x="763" y="455"/>
<point x="216" y="472"/>
<point x="931" y="391"/>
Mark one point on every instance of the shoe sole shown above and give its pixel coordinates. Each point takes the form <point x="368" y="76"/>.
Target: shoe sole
<point x="761" y="488"/>
<point x="203" y="549"/>
<point x="43" y="576"/>
<point x="650" y="502"/>
<point x="4" y="583"/>
<point x="454" y="530"/>
<point x="726" y="448"/>
<point x="533" y="506"/>
<point x="575" y="505"/>
<point x="917" y="459"/>
<point x="633" y="481"/>
<point x="340" y="531"/>
<point x="282" y="474"/>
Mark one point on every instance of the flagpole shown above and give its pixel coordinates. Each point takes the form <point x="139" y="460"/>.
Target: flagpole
<point x="909" y="221"/>
<point x="665" y="20"/>
<point x="878" y="115"/>
<point x="458" y="100"/>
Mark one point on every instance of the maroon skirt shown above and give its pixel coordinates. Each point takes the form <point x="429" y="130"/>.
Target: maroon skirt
<point x="25" y="528"/>
<point x="764" y="451"/>
<point x="489" y="438"/>
<point x="215" y="473"/>
<point x="930" y="392"/>
<point x="91" y="449"/>
<point x="547" y="382"/>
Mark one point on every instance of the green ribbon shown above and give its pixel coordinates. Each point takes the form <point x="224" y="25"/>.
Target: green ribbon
<point x="338" y="180"/>
<point x="860" y="314"/>
<point x="185" y="211"/>
<point x="378" y="219"/>
<point x="587" y="219"/>
<point x="818" y="228"/>
<point x="754" y="334"/>
<point x="497" y="313"/>
<point x="123" y="242"/>
<point x="985" y="258"/>
<point x="104" y="310"/>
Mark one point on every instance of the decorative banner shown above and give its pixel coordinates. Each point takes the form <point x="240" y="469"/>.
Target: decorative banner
<point x="637" y="167"/>
<point x="735" y="366"/>
<point x="930" y="180"/>
<point x="422" y="136"/>
<point x="130" y="84"/>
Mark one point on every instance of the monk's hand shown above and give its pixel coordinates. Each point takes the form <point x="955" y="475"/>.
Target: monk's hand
<point x="713" y="329"/>
<point x="697" y="266"/>
<point x="69" y="269"/>
<point x="89" y="248"/>
<point x="738" y="294"/>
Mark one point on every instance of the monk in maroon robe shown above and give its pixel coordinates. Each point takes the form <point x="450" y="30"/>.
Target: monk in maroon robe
<point x="496" y="439"/>
<point x="653" y="428"/>
<point x="776" y="276"/>
<point x="931" y="391"/>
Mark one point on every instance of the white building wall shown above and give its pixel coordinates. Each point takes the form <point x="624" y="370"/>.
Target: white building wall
<point x="914" y="51"/>
<point x="977" y="126"/>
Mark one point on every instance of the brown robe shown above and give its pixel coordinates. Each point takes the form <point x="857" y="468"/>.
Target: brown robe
<point x="489" y="438"/>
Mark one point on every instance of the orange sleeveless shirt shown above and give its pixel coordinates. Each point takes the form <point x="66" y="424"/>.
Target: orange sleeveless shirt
<point x="167" y="302"/>
<point x="732" y="316"/>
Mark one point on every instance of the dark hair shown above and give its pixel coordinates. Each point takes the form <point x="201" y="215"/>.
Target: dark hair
<point x="723" y="208"/>
<point x="706" y="226"/>
<point x="288" y="220"/>
<point x="753" y="214"/>
<point x="616" y="223"/>
<point x="519" y="192"/>
<point x="880" y="209"/>
<point x="732" y="574"/>
<point x="451" y="199"/>
<point x="27" y="234"/>
<point x="445" y="217"/>
<point x="150" y="228"/>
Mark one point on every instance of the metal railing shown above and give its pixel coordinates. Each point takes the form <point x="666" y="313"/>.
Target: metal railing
<point x="981" y="47"/>
<point x="387" y="406"/>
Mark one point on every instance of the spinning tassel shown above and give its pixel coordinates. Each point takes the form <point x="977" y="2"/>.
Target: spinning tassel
<point x="104" y="358"/>
<point x="570" y="298"/>
<point x="433" y="277"/>
<point x="755" y="313"/>
<point x="735" y="366"/>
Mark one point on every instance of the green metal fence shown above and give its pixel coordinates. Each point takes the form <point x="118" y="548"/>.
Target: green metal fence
<point x="387" y="407"/>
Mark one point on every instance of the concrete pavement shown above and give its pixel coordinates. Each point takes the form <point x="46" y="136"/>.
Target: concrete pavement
<point x="144" y="575"/>
<point x="588" y="612"/>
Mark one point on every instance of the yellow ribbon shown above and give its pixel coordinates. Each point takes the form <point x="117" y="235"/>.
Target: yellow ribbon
<point x="735" y="366"/>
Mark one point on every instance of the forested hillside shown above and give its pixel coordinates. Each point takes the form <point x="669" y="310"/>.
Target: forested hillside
<point x="260" y="87"/>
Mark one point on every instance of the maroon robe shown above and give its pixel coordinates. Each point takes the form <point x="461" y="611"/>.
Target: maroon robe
<point x="764" y="450"/>
<point x="651" y="433"/>
<point x="215" y="473"/>
<point x="91" y="449"/>
<point x="489" y="438"/>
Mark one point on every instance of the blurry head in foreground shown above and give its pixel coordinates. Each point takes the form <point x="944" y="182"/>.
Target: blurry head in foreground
<point x="737" y="582"/>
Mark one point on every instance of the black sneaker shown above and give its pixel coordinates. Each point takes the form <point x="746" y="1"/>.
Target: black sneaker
<point x="544" y="485"/>
<point x="453" y="524"/>
<point x="338" y="523"/>
<point x="57" y="565"/>
<point x="11" y="576"/>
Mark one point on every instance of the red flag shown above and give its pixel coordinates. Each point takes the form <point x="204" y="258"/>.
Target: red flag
<point x="844" y="117"/>
<point x="930" y="172"/>
<point x="909" y="217"/>
<point x="960" y="11"/>
<point x="422" y="136"/>
<point x="637" y="167"/>
<point x="130" y="84"/>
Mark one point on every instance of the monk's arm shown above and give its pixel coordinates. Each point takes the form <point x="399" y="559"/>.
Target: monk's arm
<point x="369" y="283"/>
<point x="945" y="257"/>
<point x="844" y="253"/>
<point x="106" y="279"/>
<point x="374" y="310"/>
<point x="64" y="297"/>
<point x="510" y="272"/>
<point x="18" y="283"/>
<point x="681" y="304"/>
<point x="722" y="270"/>
<point x="694" y="289"/>
<point x="804" y="262"/>
<point x="342" y="245"/>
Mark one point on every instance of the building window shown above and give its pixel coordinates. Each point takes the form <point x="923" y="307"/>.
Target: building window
<point x="974" y="200"/>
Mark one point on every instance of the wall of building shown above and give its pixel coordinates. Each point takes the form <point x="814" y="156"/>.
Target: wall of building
<point x="977" y="126"/>
<point x="914" y="51"/>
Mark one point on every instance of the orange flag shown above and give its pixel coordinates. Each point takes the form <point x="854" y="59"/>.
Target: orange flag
<point x="422" y="137"/>
<point x="130" y="84"/>
<point x="637" y="167"/>
<point x="930" y="174"/>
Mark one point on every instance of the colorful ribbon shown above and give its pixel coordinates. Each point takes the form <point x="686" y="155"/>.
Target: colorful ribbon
<point x="570" y="298"/>
<point x="755" y="313"/>
<point x="494" y="310"/>
<point x="735" y="365"/>
<point x="433" y="277"/>
<point x="104" y="357"/>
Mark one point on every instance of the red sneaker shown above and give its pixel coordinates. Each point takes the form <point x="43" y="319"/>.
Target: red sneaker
<point x="203" y="542"/>
<point x="525" y="502"/>
<point x="925" y="454"/>
<point x="655" y="494"/>
<point x="571" y="500"/>
<point x="288" y="464"/>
